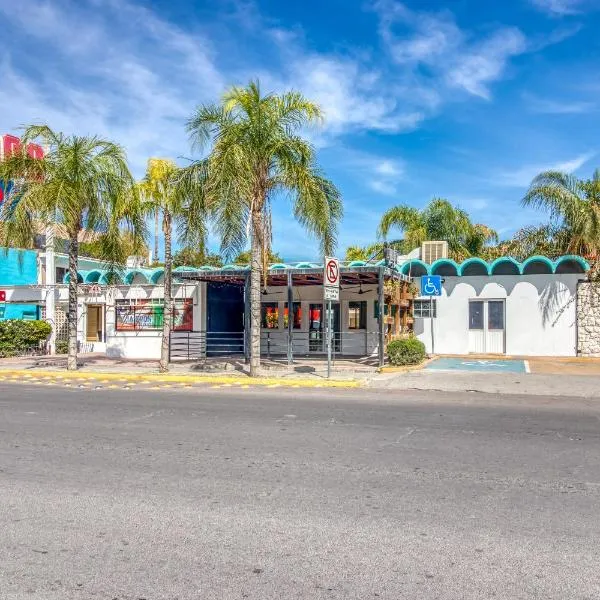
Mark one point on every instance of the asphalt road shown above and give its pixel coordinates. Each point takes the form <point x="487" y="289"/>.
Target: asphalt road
<point x="319" y="494"/>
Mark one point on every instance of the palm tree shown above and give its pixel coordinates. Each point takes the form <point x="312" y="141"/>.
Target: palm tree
<point x="439" y="220"/>
<point x="81" y="184"/>
<point x="574" y="207"/>
<point x="258" y="156"/>
<point x="164" y="193"/>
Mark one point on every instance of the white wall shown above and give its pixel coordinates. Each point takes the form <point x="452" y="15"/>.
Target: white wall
<point x="540" y="315"/>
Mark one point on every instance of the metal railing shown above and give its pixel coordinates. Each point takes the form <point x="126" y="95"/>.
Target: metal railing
<point x="196" y="345"/>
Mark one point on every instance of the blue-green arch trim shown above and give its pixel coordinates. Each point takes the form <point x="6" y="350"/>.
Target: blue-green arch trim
<point x="443" y="261"/>
<point x="574" y="258"/>
<point x="406" y="267"/>
<point x="537" y="258"/>
<point x="505" y="259"/>
<point x="474" y="260"/>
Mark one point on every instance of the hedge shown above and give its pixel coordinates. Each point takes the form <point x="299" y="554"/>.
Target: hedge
<point x="19" y="337"/>
<point x="408" y="351"/>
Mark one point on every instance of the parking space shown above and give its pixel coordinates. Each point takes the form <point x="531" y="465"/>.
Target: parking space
<point x="466" y="363"/>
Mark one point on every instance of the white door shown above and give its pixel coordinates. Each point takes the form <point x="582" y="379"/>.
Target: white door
<point x="486" y="326"/>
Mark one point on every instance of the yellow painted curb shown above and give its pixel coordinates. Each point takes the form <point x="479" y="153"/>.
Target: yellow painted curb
<point x="166" y="378"/>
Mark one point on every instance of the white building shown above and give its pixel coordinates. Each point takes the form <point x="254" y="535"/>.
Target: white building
<point x="504" y="307"/>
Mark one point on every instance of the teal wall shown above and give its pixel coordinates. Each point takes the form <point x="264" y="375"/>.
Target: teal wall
<point x="18" y="272"/>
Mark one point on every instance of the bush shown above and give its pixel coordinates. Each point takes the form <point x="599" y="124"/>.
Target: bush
<point x="62" y="347"/>
<point x="409" y="351"/>
<point x="19" y="337"/>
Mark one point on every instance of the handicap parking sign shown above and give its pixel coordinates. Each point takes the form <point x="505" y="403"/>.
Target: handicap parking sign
<point x="431" y="285"/>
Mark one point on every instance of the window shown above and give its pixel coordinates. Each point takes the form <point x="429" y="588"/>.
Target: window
<point x="137" y="315"/>
<point x="424" y="309"/>
<point x="270" y="315"/>
<point x="60" y="274"/>
<point x="496" y="314"/>
<point x="476" y="315"/>
<point x="297" y="315"/>
<point x="357" y="315"/>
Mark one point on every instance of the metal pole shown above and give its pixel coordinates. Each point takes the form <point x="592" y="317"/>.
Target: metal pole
<point x="431" y="321"/>
<point x="290" y="296"/>
<point x="328" y="337"/>
<point x="380" y="315"/>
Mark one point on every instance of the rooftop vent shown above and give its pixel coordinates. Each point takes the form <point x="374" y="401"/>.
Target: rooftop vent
<point x="432" y="251"/>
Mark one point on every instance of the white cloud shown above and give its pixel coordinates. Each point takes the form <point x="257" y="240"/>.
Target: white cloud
<point x="443" y="54"/>
<point x="126" y="74"/>
<point x="558" y="107"/>
<point x="558" y="7"/>
<point x="485" y="63"/>
<point x="523" y="176"/>
<point x="390" y="168"/>
<point x="382" y="186"/>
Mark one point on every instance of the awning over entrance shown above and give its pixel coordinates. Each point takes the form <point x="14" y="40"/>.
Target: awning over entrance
<point x="278" y="275"/>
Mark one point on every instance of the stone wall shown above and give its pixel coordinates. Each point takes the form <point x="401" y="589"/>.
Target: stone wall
<point x="588" y="319"/>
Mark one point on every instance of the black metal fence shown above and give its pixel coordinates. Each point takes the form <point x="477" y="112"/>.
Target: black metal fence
<point x="197" y="345"/>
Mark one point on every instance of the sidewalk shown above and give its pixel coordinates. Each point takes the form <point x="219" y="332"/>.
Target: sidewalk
<point x="537" y="384"/>
<point x="98" y="366"/>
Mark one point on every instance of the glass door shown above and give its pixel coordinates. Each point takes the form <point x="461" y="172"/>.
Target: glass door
<point x="315" y="328"/>
<point x="486" y="326"/>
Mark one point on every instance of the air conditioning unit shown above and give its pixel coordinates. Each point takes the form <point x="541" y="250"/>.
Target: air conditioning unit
<point x="432" y="251"/>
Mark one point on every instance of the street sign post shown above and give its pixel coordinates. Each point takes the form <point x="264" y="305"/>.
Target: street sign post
<point x="331" y="293"/>
<point x="431" y="285"/>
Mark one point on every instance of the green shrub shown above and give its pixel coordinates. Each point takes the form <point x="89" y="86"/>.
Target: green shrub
<point x="62" y="347"/>
<point x="408" y="351"/>
<point x="19" y="337"/>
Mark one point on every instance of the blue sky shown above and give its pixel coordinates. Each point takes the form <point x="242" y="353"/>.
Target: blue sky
<point x="466" y="100"/>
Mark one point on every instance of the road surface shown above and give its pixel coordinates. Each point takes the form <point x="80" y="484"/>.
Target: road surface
<point x="261" y="494"/>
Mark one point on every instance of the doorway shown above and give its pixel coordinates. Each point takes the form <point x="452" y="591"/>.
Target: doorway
<point x="94" y="329"/>
<point x="224" y="319"/>
<point x="487" y="326"/>
<point x="316" y="328"/>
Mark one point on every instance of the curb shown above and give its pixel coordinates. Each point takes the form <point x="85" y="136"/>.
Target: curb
<point x="407" y="368"/>
<point x="160" y="378"/>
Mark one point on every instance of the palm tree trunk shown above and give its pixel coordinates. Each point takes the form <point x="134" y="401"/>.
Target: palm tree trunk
<point x="255" y="296"/>
<point x="156" y="228"/>
<point x="168" y="310"/>
<point x="72" y="317"/>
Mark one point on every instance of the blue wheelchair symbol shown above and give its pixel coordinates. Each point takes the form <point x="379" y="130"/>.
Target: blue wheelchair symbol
<point x="431" y="285"/>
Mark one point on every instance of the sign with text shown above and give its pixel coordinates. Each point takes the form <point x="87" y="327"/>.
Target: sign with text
<point x="331" y="279"/>
<point x="331" y="293"/>
<point x="2" y="296"/>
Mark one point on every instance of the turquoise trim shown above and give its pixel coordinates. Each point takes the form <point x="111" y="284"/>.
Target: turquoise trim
<point x="406" y="267"/>
<point x="81" y="277"/>
<point x="575" y="258"/>
<point x="94" y="276"/>
<point x="306" y="265"/>
<point x="104" y="279"/>
<point x="131" y="273"/>
<point x="475" y="260"/>
<point x="443" y="261"/>
<point x="231" y="267"/>
<point x="505" y="259"/>
<point x="184" y="268"/>
<point x="279" y="266"/>
<point x="357" y="263"/>
<point x="156" y="274"/>
<point x="537" y="258"/>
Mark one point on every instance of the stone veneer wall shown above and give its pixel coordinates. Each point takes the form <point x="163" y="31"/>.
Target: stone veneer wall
<point x="588" y="319"/>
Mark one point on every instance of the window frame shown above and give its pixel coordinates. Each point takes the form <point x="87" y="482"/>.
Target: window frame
<point x="296" y="312"/>
<point x="362" y="315"/>
<point x="421" y="308"/>
<point x="263" y="315"/>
